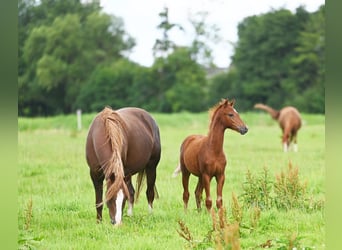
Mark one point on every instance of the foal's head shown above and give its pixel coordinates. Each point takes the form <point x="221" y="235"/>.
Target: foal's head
<point x="229" y="117"/>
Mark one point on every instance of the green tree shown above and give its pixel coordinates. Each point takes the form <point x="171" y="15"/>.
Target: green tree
<point x="163" y="47"/>
<point x="263" y="55"/>
<point x="58" y="56"/>
<point x="223" y="86"/>
<point x="181" y="83"/>
<point x="205" y="34"/>
<point x="114" y="85"/>
<point x="189" y="89"/>
<point x="308" y="70"/>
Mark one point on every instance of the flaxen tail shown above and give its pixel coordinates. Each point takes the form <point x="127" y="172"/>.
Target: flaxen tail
<point x="114" y="169"/>
<point x="177" y="171"/>
<point x="274" y="113"/>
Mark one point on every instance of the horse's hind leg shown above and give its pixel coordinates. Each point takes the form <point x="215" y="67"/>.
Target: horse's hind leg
<point x="294" y="141"/>
<point x="97" y="179"/>
<point x="151" y="174"/>
<point x="185" y="182"/>
<point x="198" y="193"/>
<point x="131" y="194"/>
<point x="286" y="139"/>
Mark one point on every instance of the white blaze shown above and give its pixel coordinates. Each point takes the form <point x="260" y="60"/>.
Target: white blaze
<point x="118" y="204"/>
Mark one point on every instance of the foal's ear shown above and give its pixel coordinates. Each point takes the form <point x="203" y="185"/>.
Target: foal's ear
<point x="232" y="102"/>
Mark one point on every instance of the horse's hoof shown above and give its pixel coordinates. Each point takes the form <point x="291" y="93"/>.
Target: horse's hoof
<point x="116" y="224"/>
<point x="150" y="209"/>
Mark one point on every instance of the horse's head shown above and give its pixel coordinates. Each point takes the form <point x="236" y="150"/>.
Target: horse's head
<point x="231" y="118"/>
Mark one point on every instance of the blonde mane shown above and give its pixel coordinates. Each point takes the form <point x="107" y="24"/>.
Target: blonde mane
<point x="115" y="132"/>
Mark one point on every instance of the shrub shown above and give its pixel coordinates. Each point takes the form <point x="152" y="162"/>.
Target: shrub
<point x="289" y="191"/>
<point x="257" y="190"/>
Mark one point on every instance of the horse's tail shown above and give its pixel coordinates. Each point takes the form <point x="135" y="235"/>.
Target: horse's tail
<point x="114" y="169"/>
<point x="140" y="180"/>
<point x="274" y="113"/>
<point x="177" y="171"/>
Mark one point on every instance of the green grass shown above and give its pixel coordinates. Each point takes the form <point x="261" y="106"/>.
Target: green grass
<point x="56" y="198"/>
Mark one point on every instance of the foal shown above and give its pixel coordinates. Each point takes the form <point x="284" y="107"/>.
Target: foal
<point x="203" y="156"/>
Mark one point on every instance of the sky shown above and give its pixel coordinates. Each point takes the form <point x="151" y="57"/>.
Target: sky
<point x="141" y="19"/>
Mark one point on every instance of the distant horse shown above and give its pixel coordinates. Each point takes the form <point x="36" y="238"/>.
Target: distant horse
<point x="289" y="120"/>
<point x="203" y="156"/>
<point x="120" y="144"/>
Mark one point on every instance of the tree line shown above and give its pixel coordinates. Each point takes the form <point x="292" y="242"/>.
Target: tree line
<point x="72" y="55"/>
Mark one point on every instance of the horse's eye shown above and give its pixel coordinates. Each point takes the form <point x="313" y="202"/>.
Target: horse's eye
<point x="230" y="115"/>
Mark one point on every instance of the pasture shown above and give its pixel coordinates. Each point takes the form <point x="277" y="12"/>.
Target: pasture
<point x="56" y="198"/>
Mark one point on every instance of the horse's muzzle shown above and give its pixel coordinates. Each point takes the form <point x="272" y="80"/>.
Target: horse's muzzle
<point x="243" y="130"/>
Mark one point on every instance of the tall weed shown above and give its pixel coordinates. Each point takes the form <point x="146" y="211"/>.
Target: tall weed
<point x="289" y="191"/>
<point x="257" y="190"/>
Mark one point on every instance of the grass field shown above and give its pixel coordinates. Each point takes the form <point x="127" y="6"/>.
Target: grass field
<point x="56" y="197"/>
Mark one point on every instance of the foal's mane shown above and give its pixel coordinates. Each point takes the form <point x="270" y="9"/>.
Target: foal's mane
<point x="213" y="110"/>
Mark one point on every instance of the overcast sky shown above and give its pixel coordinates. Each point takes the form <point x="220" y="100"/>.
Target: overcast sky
<point x="141" y="19"/>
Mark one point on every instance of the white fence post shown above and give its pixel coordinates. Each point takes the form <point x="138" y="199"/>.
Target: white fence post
<point x="79" y="119"/>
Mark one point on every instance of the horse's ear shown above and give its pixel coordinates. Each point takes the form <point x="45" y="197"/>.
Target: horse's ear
<point x="232" y="102"/>
<point x="224" y="102"/>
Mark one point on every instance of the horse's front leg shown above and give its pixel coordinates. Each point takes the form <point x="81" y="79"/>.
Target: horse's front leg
<point x="220" y="182"/>
<point x="97" y="179"/>
<point x="206" y="184"/>
<point x="131" y="191"/>
<point x="198" y="193"/>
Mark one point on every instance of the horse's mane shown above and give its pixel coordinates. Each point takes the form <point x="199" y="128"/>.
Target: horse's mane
<point x="213" y="110"/>
<point x="115" y="131"/>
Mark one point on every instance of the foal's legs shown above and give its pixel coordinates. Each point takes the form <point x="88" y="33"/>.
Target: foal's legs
<point x="220" y="181"/>
<point x="206" y="183"/>
<point x="97" y="179"/>
<point x="185" y="182"/>
<point x="198" y="193"/>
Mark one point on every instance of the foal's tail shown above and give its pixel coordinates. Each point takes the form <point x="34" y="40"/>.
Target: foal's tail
<point x="274" y="113"/>
<point x="177" y="171"/>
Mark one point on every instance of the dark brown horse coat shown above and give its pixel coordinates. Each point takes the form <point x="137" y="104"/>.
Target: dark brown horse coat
<point x="289" y="120"/>
<point x="120" y="144"/>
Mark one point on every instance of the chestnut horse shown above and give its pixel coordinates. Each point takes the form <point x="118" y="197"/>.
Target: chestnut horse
<point x="203" y="156"/>
<point x="120" y="144"/>
<point x="289" y="121"/>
